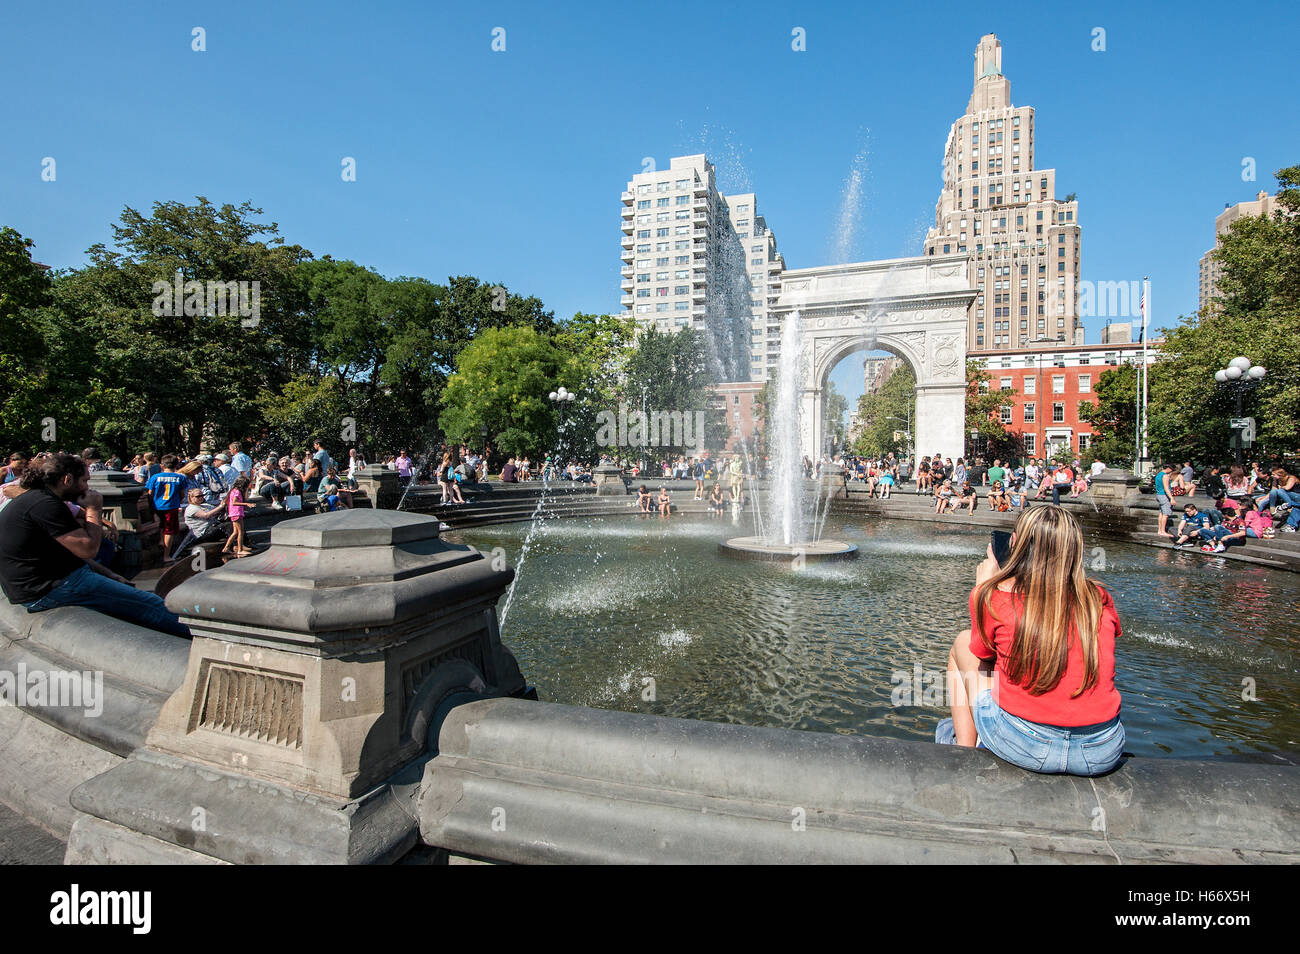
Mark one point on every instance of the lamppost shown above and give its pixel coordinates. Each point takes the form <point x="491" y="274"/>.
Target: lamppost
<point x="975" y="441"/>
<point x="1241" y="376"/>
<point x="560" y="397"/>
<point x="156" y="422"/>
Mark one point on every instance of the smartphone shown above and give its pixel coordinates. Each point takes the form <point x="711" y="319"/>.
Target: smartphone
<point x="1001" y="546"/>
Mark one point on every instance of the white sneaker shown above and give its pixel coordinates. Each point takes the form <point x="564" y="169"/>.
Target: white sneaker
<point x="1219" y="547"/>
<point x="276" y="506"/>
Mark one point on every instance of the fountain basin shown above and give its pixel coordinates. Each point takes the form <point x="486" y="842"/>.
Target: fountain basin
<point x="757" y="548"/>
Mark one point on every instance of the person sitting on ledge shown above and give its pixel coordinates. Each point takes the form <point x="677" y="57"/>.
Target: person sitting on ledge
<point x="943" y="502"/>
<point x="643" y="498"/>
<point x="665" y="502"/>
<point x="716" y="500"/>
<point x="968" y="497"/>
<point x="998" y="498"/>
<point x="1033" y="679"/>
<point x="46" y="552"/>
<point x="1194" y="521"/>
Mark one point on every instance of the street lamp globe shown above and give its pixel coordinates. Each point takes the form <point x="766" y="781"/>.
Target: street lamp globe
<point x="1221" y="376"/>
<point x="1257" y="372"/>
<point x="571" y="396"/>
<point x="554" y="396"/>
<point x="1242" y="364"/>
<point x="1233" y="372"/>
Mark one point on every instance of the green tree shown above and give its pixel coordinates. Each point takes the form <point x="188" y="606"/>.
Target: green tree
<point x="670" y="372"/>
<point x="600" y="348"/>
<point x="501" y="383"/>
<point x="836" y="407"/>
<point x="884" y="414"/>
<point x="984" y="414"/>
<point x="1256" y="315"/>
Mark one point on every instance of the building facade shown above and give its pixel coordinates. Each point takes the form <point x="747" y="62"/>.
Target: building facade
<point x="1210" y="270"/>
<point x="876" y="371"/>
<point x="695" y="258"/>
<point x="1001" y="211"/>
<point x="1050" y="385"/>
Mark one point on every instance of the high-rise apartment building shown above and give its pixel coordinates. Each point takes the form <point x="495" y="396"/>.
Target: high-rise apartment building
<point x="1211" y="271"/>
<point x="876" y="371"/>
<point x="695" y="258"/>
<point x="999" y="209"/>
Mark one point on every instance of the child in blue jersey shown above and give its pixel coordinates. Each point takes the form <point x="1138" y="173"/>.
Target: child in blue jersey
<point x="167" y="489"/>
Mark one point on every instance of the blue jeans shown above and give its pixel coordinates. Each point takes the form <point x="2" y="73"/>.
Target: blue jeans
<point x="1083" y="750"/>
<point x="1217" y="532"/>
<point x="1277" y="496"/>
<point x="85" y="587"/>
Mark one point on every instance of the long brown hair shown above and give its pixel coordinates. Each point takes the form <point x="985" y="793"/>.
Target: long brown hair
<point x="1046" y="563"/>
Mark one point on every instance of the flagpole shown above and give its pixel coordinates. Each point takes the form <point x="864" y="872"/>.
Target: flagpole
<point x="1146" y="310"/>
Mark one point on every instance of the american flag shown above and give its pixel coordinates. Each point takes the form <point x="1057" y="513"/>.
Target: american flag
<point x="1142" y="310"/>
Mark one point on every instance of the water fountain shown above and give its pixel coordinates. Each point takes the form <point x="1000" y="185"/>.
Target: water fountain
<point x="791" y="533"/>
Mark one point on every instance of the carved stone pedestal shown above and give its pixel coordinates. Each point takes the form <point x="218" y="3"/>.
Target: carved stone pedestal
<point x="315" y="670"/>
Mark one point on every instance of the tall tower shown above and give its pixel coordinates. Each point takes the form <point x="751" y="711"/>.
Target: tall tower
<point x="695" y="258"/>
<point x="1001" y="211"/>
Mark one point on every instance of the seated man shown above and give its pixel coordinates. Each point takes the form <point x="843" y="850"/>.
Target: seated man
<point x="203" y="523"/>
<point x="643" y="498"/>
<point x="998" y="497"/>
<point x="44" y="550"/>
<point x="1194" y="521"/>
<point x="968" y="498"/>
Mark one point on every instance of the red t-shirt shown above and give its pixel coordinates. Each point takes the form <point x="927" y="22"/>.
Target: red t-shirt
<point x="1055" y="707"/>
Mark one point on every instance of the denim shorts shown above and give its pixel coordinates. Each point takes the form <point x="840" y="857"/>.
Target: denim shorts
<point x="1166" y="507"/>
<point x="1053" y="750"/>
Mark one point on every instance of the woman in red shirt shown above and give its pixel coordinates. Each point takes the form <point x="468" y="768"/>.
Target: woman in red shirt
<point x="1033" y="679"/>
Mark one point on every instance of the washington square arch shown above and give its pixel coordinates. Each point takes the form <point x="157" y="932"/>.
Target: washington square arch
<point x="913" y="307"/>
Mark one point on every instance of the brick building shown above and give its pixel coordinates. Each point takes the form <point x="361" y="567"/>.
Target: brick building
<point x="1050" y="384"/>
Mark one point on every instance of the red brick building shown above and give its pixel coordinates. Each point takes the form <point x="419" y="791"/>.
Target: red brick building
<point x="1050" y="385"/>
<point x="736" y="398"/>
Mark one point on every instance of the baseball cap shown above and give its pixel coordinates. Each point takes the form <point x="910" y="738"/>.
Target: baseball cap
<point x="205" y="457"/>
<point x="224" y="457"/>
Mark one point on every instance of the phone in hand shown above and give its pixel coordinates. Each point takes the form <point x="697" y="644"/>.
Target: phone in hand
<point x="1001" y="543"/>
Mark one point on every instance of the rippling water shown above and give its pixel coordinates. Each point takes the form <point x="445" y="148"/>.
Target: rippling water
<point x="643" y="614"/>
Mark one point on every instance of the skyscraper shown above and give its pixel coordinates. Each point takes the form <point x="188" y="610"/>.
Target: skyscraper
<point x="1210" y="270"/>
<point x="695" y="258"/>
<point x="996" y="207"/>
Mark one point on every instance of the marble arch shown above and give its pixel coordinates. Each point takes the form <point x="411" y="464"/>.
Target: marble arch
<point x="913" y="307"/>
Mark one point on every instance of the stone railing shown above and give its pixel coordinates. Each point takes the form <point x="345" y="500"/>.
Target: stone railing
<point x="346" y="699"/>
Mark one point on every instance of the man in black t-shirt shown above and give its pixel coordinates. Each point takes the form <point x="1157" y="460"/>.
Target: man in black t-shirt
<point x="44" y="550"/>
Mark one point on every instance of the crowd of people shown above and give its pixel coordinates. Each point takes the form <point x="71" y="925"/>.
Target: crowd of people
<point x="1256" y="504"/>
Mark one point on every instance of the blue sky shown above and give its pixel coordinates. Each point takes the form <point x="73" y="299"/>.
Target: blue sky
<point x="508" y="165"/>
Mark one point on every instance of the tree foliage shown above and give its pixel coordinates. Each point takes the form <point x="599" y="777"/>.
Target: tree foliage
<point x="884" y="414"/>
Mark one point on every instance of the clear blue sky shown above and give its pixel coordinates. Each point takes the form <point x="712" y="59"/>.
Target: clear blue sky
<point x="508" y="166"/>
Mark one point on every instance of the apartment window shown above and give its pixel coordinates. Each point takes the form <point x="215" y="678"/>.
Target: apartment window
<point x="643" y="278"/>
<point x="660" y="263"/>
<point x="1031" y="385"/>
<point x="643" y="189"/>
<point x="1058" y="384"/>
<point x="662" y="186"/>
<point x="1058" y="413"/>
<point x="681" y="246"/>
<point x="662" y="291"/>
<point x="1031" y="441"/>
<point x="1006" y="413"/>
<point x="683" y="200"/>
<point x="642" y="309"/>
<point x="756" y="261"/>
<point x="661" y="247"/>
<point x="681" y="289"/>
<point x="1005" y="383"/>
<point x="661" y="306"/>
<point x="643" y="233"/>
<point x="643" y="293"/>
<point x="683" y="273"/>
<point x="643" y="204"/>
<point x="679" y="230"/>
<point x="683" y="183"/>
<point x="1085" y="441"/>
<point x="1030" y="410"/>
<point x="1085" y="383"/>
